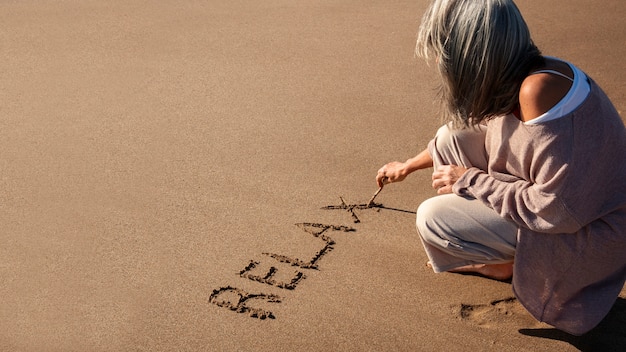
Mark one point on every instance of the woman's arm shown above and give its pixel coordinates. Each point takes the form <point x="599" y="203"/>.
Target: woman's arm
<point x="397" y="171"/>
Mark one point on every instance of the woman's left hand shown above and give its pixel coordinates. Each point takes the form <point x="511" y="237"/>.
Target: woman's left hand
<point x="445" y="177"/>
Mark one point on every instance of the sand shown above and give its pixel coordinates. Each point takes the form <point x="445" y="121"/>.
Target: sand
<point x="164" y="168"/>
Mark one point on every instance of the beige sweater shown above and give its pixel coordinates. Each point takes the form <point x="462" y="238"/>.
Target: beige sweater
<point x="564" y="183"/>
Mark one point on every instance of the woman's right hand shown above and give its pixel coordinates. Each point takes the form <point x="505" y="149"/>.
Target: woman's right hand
<point x="394" y="171"/>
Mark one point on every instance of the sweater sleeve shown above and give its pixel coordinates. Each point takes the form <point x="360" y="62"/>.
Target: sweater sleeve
<point x="533" y="206"/>
<point x="554" y="177"/>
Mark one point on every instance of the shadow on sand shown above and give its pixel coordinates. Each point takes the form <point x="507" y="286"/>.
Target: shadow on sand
<point x="609" y="335"/>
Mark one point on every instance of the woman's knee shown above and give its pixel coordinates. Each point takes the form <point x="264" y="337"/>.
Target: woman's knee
<point x="464" y="147"/>
<point x="424" y="212"/>
<point x="448" y="136"/>
<point x="427" y="217"/>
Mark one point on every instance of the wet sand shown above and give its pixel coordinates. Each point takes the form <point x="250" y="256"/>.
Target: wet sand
<point x="164" y="168"/>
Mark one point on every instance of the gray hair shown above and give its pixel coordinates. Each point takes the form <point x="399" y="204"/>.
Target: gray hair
<point x="483" y="51"/>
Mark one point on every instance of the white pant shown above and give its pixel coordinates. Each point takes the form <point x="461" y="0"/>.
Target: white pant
<point x="458" y="231"/>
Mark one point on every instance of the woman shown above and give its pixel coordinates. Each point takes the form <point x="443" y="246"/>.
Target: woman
<point x="531" y="172"/>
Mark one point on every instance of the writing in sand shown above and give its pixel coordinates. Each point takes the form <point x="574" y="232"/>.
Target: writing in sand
<point x="253" y="304"/>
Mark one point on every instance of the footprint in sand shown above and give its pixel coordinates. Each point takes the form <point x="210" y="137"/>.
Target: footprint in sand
<point x="494" y="314"/>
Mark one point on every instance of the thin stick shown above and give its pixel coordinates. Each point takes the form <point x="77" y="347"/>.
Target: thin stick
<point x="369" y="204"/>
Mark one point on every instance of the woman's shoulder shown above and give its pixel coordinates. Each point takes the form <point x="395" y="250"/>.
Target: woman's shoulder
<point x="544" y="87"/>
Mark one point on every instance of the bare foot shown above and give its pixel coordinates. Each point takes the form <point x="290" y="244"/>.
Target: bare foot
<point x="493" y="271"/>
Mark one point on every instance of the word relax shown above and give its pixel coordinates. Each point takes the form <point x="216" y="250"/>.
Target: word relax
<point x="241" y="301"/>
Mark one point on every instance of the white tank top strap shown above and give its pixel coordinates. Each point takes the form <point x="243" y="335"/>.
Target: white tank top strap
<point x="577" y="93"/>
<point x="553" y="72"/>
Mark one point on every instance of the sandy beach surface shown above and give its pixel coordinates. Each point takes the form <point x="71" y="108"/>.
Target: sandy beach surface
<point x="164" y="167"/>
